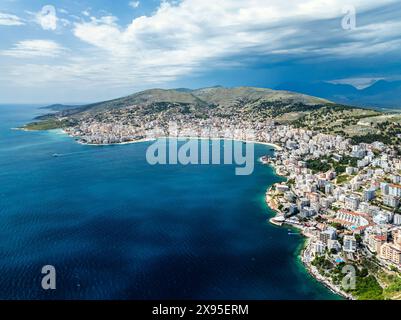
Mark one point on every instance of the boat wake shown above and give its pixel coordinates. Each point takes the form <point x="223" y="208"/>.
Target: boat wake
<point x="58" y="155"/>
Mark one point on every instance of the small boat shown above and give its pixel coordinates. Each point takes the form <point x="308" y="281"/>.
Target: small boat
<point x="56" y="155"/>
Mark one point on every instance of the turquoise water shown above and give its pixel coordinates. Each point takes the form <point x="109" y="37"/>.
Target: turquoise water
<point x="116" y="227"/>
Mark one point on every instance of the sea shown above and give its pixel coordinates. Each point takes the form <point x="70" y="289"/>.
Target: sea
<point x="115" y="227"/>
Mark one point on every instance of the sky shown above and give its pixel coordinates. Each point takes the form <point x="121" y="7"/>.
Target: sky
<point x="71" y="51"/>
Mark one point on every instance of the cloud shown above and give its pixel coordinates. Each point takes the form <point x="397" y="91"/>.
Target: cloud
<point x="134" y="4"/>
<point x="34" y="49"/>
<point x="47" y="18"/>
<point x="10" y="20"/>
<point x="194" y="31"/>
<point x="192" y="36"/>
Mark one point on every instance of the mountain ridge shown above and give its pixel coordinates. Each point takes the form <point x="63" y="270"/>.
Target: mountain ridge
<point x="133" y="117"/>
<point x="204" y="97"/>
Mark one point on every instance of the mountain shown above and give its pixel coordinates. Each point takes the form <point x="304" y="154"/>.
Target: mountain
<point x="229" y="96"/>
<point x="246" y="103"/>
<point x="157" y="99"/>
<point x="382" y="94"/>
<point x="131" y="118"/>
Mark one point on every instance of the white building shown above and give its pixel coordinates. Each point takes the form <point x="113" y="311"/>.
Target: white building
<point x="318" y="248"/>
<point x="384" y="188"/>
<point x="349" y="244"/>
<point x="391" y="201"/>
<point x="333" y="244"/>
<point x="381" y="218"/>
<point x="394" y="190"/>
<point x="397" y="219"/>
<point x="369" y="194"/>
<point x="351" y="203"/>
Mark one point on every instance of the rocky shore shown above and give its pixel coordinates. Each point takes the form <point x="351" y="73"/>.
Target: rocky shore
<point x="280" y="220"/>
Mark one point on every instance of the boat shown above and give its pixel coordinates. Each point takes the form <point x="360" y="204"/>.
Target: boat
<point x="56" y="155"/>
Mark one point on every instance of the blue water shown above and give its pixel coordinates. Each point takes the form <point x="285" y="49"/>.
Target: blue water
<point x="116" y="227"/>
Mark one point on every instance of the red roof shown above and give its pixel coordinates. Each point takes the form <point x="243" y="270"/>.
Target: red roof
<point x="381" y="238"/>
<point x="352" y="213"/>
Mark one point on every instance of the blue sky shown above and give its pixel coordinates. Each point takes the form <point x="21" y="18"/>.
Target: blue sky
<point x="80" y="51"/>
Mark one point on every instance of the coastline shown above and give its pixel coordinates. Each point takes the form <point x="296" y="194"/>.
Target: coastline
<point x="304" y="258"/>
<point x="113" y="144"/>
<point x="278" y="220"/>
<point x="275" y="146"/>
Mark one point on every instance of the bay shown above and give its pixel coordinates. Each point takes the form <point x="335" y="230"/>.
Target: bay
<point x="116" y="227"/>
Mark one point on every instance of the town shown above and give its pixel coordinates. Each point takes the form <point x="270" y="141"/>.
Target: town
<point x="343" y="196"/>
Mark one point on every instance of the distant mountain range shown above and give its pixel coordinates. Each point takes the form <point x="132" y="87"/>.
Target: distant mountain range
<point x="382" y="94"/>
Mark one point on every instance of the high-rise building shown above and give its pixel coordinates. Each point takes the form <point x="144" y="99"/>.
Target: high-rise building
<point x="369" y="194"/>
<point x="391" y="252"/>
<point x="349" y="244"/>
<point x="384" y="188"/>
<point x="394" y="190"/>
<point x="397" y="219"/>
<point x="318" y="248"/>
<point x="351" y="202"/>
<point x="391" y="201"/>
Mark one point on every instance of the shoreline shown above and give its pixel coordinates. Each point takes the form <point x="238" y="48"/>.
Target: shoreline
<point x="280" y="221"/>
<point x="268" y="201"/>
<point x="275" y="146"/>
<point x="316" y="275"/>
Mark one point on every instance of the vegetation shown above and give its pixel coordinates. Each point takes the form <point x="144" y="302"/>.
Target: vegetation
<point x="337" y="226"/>
<point x="322" y="264"/>
<point x="342" y="179"/>
<point x="348" y="161"/>
<point x="391" y="282"/>
<point x="326" y="163"/>
<point x="48" y="124"/>
<point x="370" y="138"/>
<point x="318" y="165"/>
<point x="339" y="169"/>
<point x="291" y="182"/>
<point x="367" y="288"/>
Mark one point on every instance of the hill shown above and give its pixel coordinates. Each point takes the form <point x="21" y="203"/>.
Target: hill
<point x="132" y="117"/>
<point x="226" y="99"/>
